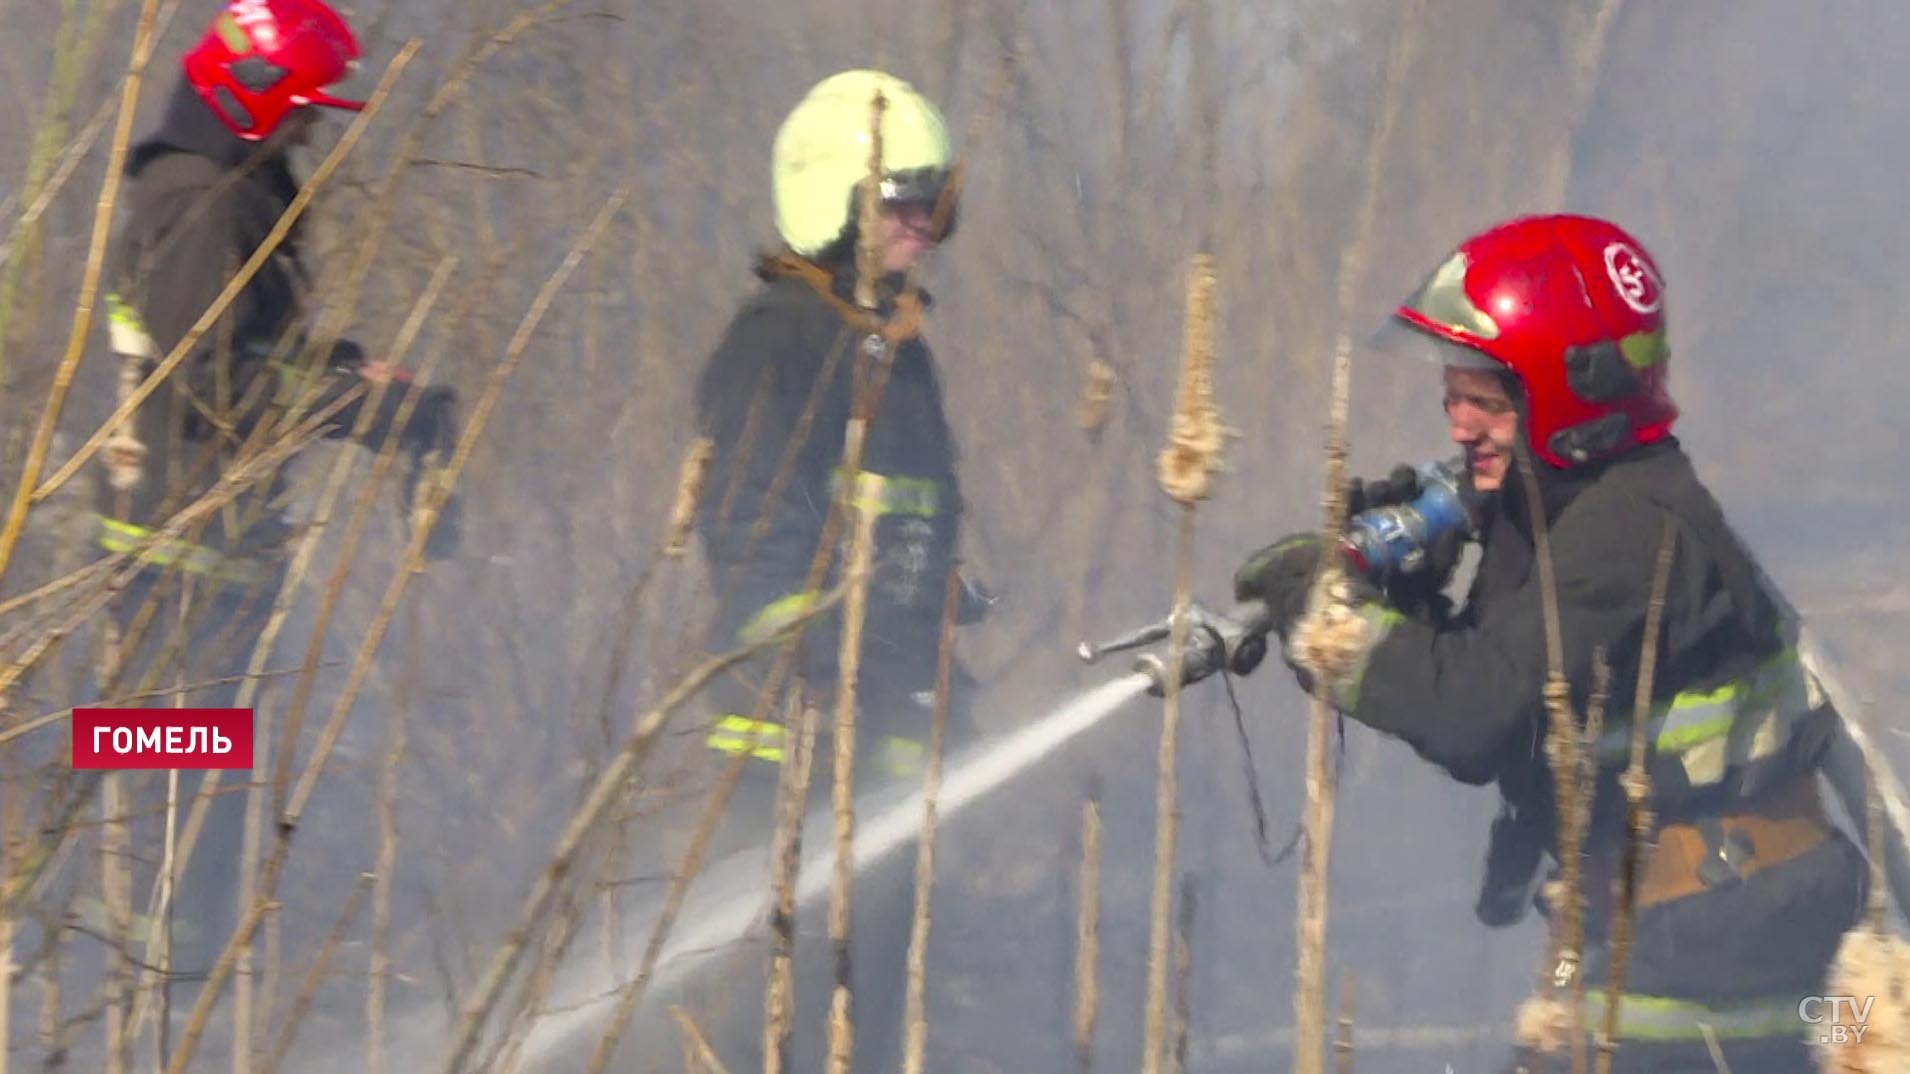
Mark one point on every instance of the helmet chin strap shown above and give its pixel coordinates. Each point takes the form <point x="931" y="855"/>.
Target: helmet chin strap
<point x="1589" y="439"/>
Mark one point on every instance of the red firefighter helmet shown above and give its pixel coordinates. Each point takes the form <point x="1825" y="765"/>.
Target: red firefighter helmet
<point x="262" y="58"/>
<point x="1575" y="308"/>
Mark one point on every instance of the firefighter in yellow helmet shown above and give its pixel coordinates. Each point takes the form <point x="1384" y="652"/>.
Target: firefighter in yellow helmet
<point x="800" y="342"/>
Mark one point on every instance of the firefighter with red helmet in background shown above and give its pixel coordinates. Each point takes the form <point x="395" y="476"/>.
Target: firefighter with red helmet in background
<point x="203" y="192"/>
<point x="1551" y="332"/>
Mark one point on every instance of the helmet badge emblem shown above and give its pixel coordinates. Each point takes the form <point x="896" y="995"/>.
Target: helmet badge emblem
<point x="1634" y="278"/>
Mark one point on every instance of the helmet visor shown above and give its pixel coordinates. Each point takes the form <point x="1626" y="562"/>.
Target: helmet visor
<point x="1442" y="300"/>
<point x="1400" y="338"/>
<point x="915" y="186"/>
<point x="321" y="97"/>
<point x="921" y="188"/>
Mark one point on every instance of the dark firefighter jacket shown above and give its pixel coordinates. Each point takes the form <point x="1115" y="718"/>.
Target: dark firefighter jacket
<point x="775" y="397"/>
<point x="200" y="203"/>
<point x="1733" y="726"/>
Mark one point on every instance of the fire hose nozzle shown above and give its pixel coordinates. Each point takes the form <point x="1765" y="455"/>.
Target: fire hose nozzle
<point x="1235" y="639"/>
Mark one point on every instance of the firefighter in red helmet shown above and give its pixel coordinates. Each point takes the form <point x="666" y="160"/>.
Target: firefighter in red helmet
<point x="1551" y="334"/>
<point x="264" y="60"/>
<point x="203" y="191"/>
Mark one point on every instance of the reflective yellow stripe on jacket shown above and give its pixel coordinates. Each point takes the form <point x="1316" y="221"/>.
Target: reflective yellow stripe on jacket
<point x="1710" y="732"/>
<point x="117" y="535"/>
<point x="896" y="755"/>
<point x="1663" y="1019"/>
<point x="892" y="494"/>
<point x="760" y="739"/>
<point x="126" y="332"/>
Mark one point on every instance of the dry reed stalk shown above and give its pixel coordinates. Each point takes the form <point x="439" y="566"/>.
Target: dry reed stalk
<point x="1562" y="748"/>
<point x="6" y="988"/>
<point x="1875" y="832"/>
<point x="70" y="58"/>
<point x="1591" y="53"/>
<point x="158" y="946"/>
<point x="1309" y="1001"/>
<point x="378" y="972"/>
<point x="160" y="900"/>
<point x="607" y="788"/>
<point x="70" y="158"/>
<point x="1711" y="1045"/>
<point x="1186" y="468"/>
<point x="1087" y="936"/>
<point x="1310" y="918"/>
<point x="875" y="351"/>
<point x="1097" y="396"/>
<point x="779" y="992"/>
<point x="689" y="488"/>
<point x="1875" y="912"/>
<point x="949" y="28"/>
<point x="51" y="589"/>
<point x="915" y="1018"/>
<point x="221" y="970"/>
<point x="315" y="976"/>
<point x="115" y="845"/>
<point x="1343" y="1046"/>
<point x="1875" y="965"/>
<point x="348" y="544"/>
<point x="1120" y="71"/>
<point x="691" y="866"/>
<point x="375" y="223"/>
<point x="89" y="286"/>
<point x="563" y="930"/>
<point x="689" y="492"/>
<point x="31" y="859"/>
<point x="695" y="1045"/>
<point x="12" y="820"/>
<point x="869" y="249"/>
<point x="868" y="499"/>
<point x="1587" y="780"/>
<point x="1183" y="979"/>
<point x="1638" y="817"/>
<point x="53" y="1037"/>
<point x="1190" y="460"/>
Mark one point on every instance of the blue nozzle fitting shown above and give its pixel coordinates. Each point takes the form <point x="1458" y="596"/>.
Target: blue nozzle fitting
<point x="1394" y="539"/>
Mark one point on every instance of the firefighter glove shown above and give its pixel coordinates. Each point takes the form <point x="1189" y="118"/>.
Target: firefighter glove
<point x="1280" y="576"/>
<point x="1401" y="485"/>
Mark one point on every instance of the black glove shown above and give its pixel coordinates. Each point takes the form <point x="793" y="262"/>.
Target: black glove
<point x="1280" y="576"/>
<point x="433" y="428"/>
<point x="1401" y="485"/>
<point x="1513" y="856"/>
<point x="346" y="356"/>
<point x="1421" y="593"/>
<point x="1418" y="593"/>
